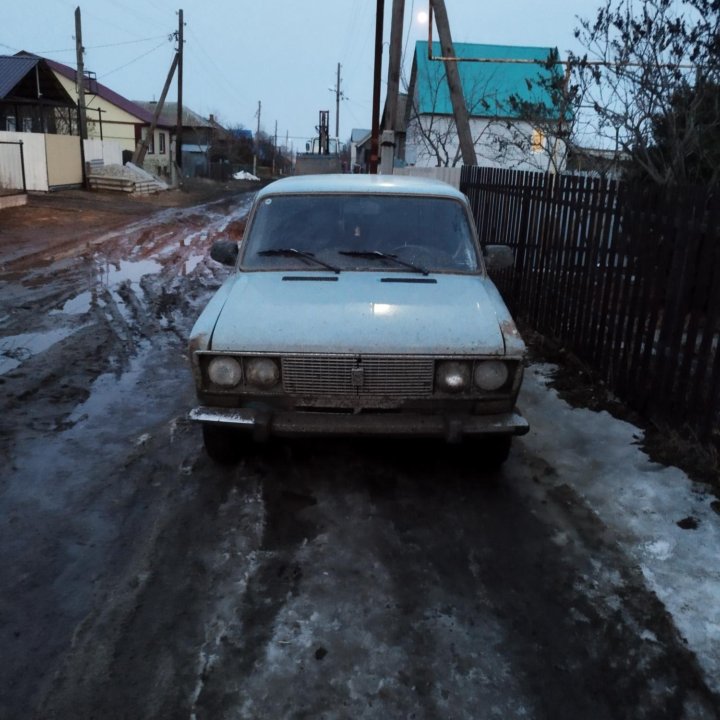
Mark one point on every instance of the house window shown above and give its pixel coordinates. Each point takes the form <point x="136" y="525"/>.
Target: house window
<point x="151" y="144"/>
<point x="161" y="136"/>
<point x="10" y="123"/>
<point x="537" y="141"/>
<point x="27" y="124"/>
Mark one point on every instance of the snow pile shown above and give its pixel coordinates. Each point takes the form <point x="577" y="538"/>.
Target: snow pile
<point x="243" y="175"/>
<point x="145" y="175"/>
<point x="664" y="522"/>
<point x="127" y="177"/>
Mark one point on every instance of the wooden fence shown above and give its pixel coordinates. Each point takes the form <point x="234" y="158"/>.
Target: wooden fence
<point x="627" y="278"/>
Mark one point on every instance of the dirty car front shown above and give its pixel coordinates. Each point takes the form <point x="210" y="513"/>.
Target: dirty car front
<point x="358" y="305"/>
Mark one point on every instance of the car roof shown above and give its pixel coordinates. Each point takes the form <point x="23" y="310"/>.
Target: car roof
<point x="361" y="184"/>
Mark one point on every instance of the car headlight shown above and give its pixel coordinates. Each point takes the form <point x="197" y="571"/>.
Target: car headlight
<point x="262" y="372"/>
<point x="452" y="376"/>
<point x="224" y="371"/>
<point x="491" y="374"/>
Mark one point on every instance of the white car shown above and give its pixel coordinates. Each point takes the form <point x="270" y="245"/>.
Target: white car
<point x="358" y="305"/>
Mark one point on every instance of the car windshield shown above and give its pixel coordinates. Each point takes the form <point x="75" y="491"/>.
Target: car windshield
<point x="391" y="233"/>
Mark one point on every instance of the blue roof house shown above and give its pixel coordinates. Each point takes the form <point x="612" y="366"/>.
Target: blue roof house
<point x="513" y="107"/>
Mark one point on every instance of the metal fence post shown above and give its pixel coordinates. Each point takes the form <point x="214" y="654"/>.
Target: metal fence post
<point x="22" y="165"/>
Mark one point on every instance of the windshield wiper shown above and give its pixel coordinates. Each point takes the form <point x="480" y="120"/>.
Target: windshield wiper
<point x="292" y="252"/>
<point x="377" y="255"/>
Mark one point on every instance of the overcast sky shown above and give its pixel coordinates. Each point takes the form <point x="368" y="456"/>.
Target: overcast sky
<point x="283" y="53"/>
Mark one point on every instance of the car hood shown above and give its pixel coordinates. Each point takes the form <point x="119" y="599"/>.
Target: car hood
<point x="361" y="312"/>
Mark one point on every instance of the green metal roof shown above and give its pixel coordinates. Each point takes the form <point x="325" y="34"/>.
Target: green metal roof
<point x="487" y="86"/>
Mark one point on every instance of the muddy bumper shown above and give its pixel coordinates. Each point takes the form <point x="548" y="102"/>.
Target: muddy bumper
<point x="450" y="427"/>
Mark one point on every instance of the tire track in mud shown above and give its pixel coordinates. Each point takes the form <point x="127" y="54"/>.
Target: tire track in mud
<point x="92" y="331"/>
<point x="159" y="627"/>
<point x="324" y="578"/>
<point x="71" y="321"/>
<point x="334" y="577"/>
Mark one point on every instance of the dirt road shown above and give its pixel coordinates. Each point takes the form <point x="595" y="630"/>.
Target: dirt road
<point x="314" y="580"/>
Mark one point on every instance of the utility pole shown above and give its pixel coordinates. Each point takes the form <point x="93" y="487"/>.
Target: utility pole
<point x="387" y="157"/>
<point x="257" y="139"/>
<point x="80" y="75"/>
<point x="338" y="95"/>
<point x="377" y="78"/>
<point x="274" y="148"/>
<point x="80" y="78"/>
<point x="179" y="57"/>
<point x="462" y="117"/>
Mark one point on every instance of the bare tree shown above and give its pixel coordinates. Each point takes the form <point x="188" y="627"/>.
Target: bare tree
<point x="433" y="130"/>
<point x="549" y="109"/>
<point x="515" y="131"/>
<point x="651" y="76"/>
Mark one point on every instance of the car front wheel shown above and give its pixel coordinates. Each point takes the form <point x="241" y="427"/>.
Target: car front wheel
<point x="224" y="445"/>
<point x="495" y="451"/>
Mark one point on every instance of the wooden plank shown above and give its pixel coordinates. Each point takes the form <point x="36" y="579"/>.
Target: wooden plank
<point x="596" y="320"/>
<point x="680" y="277"/>
<point x="701" y="402"/>
<point x="696" y="293"/>
<point x="611" y="285"/>
<point x="633" y="232"/>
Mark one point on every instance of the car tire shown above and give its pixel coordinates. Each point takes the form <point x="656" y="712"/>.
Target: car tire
<point x="224" y="445"/>
<point x="495" y="451"/>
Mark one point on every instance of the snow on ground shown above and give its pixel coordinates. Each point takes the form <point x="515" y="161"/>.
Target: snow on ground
<point x="244" y="175"/>
<point x="642" y="503"/>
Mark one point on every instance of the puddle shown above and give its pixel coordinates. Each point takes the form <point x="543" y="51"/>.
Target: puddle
<point x="112" y="274"/>
<point x="16" y="349"/>
<point x="107" y="391"/>
<point x="190" y="239"/>
<point x="192" y="262"/>
<point x="78" y="305"/>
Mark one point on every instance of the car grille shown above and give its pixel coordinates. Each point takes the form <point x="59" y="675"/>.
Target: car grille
<point x="358" y="376"/>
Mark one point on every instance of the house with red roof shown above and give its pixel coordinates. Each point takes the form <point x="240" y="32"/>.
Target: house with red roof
<point x="37" y="148"/>
<point x="115" y="119"/>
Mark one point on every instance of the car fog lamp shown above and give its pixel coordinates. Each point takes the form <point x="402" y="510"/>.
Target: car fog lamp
<point x="224" y="371"/>
<point x="453" y="377"/>
<point x="491" y="374"/>
<point x="262" y="372"/>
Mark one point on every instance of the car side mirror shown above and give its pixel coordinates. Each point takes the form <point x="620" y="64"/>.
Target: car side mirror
<point x="499" y="257"/>
<point x="225" y="252"/>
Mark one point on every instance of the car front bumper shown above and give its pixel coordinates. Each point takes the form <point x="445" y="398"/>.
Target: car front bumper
<point x="287" y="423"/>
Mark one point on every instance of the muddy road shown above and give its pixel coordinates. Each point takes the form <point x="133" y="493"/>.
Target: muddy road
<point x="313" y="580"/>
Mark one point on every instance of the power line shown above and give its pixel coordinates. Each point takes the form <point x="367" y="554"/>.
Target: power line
<point x="98" y="47"/>
<point x="407" y="37"/>
<point x="403" y="75"/>
<point x="212" y="62"/>
<point x="217" y="74"/>
<point x="139" y="57"/>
